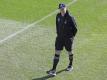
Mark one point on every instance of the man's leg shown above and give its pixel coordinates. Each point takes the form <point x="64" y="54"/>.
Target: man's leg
<point x="68" y="47"/>
<point x="56" y="59"/>
<point x="70" y="58"/>
<point x="55" y="63"/>
<point x="58" y="49"/>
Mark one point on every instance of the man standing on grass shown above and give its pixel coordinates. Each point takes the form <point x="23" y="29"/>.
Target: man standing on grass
<point x="66" y="31"/>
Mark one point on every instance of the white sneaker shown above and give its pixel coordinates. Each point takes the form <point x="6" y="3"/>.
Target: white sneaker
<point x="51" y="72"/>
<point x="69" y="68"/>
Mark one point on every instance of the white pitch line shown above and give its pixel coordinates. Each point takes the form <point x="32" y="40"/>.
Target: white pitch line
<point x="32" y="24"/>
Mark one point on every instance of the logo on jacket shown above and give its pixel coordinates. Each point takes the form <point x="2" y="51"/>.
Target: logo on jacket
<point x="58" y="19"/>
<point x="65" y="22"/>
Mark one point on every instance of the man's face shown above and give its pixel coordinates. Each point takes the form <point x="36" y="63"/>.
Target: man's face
<point x="63" y="10"/>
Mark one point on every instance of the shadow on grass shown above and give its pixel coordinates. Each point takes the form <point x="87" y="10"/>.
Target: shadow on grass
<point x="48" y="76"/>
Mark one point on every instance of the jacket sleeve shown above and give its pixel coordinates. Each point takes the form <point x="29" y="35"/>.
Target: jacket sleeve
<point x="57" y="23"/>
<point x="74" y="25"/>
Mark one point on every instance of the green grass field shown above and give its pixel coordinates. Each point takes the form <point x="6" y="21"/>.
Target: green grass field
<point x="28" y="55"/>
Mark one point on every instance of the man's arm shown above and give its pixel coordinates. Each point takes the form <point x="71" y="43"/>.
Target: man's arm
<point x="57" y="23"/>
<point x="74" y="26"/>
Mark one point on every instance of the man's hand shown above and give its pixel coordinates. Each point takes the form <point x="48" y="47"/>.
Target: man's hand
<point x="72" y="38"/>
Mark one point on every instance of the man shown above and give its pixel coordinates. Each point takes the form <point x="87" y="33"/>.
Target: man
<point x="66" y="31"/>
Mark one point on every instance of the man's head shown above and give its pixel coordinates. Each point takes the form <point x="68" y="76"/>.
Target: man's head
<point x="62" y="8"/>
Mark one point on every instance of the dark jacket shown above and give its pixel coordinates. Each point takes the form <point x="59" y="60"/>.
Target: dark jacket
<point x="65" y="26"/>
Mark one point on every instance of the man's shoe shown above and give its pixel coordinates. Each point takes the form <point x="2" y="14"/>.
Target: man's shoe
<point x="51" y="72"/>
<point x="69" y="68"/>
